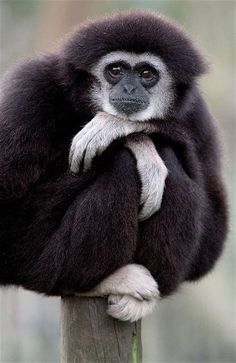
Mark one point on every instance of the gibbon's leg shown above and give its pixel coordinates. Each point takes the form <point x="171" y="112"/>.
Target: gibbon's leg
<point x="214" y="230"/>
<point x="183" y="240"/>
<point x="169" y="240"/>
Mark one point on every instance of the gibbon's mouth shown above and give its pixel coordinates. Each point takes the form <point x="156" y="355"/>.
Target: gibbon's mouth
<point x="129" y="100"/>
<point x="129" y="105"/>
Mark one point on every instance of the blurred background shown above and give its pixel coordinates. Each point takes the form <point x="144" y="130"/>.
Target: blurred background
<point x="198" y="324"/>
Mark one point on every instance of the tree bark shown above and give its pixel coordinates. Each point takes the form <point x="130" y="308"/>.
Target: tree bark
<point x="89" y="335"/>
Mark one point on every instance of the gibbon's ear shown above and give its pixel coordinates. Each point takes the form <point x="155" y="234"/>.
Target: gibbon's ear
<point x="77" y="83"/>
<point x="78" y="74"/>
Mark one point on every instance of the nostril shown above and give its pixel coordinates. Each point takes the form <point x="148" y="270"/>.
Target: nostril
<point x="129" y="88"/>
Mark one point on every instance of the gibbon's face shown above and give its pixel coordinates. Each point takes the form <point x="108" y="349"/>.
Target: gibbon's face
<point x="134" y="86"/>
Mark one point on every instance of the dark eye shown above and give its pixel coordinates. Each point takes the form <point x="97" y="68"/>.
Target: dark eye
<point x="116" y="71"/>
<point x="147" y="74"/>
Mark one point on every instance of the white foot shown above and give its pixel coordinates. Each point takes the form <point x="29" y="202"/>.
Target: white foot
<point x="134" y="280"/>
<point x="132" y="292"/>
<point x="128" y="308"/>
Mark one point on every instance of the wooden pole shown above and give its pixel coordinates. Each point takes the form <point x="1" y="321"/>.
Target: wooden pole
<point x="89" y="335"/>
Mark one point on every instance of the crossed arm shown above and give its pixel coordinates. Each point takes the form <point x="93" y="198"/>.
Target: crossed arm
<point x="100" y="132"/>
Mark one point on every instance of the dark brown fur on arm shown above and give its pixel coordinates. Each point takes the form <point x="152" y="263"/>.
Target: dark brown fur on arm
<point x="83" y="232"/>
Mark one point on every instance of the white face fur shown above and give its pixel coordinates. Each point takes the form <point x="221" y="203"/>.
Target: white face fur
<point x="161" y="94"/>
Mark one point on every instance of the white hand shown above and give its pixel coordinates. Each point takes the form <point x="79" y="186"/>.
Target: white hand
<point x="97" y="135"/>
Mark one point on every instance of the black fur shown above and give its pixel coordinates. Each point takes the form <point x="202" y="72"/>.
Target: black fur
<point x="63" y="232"/>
